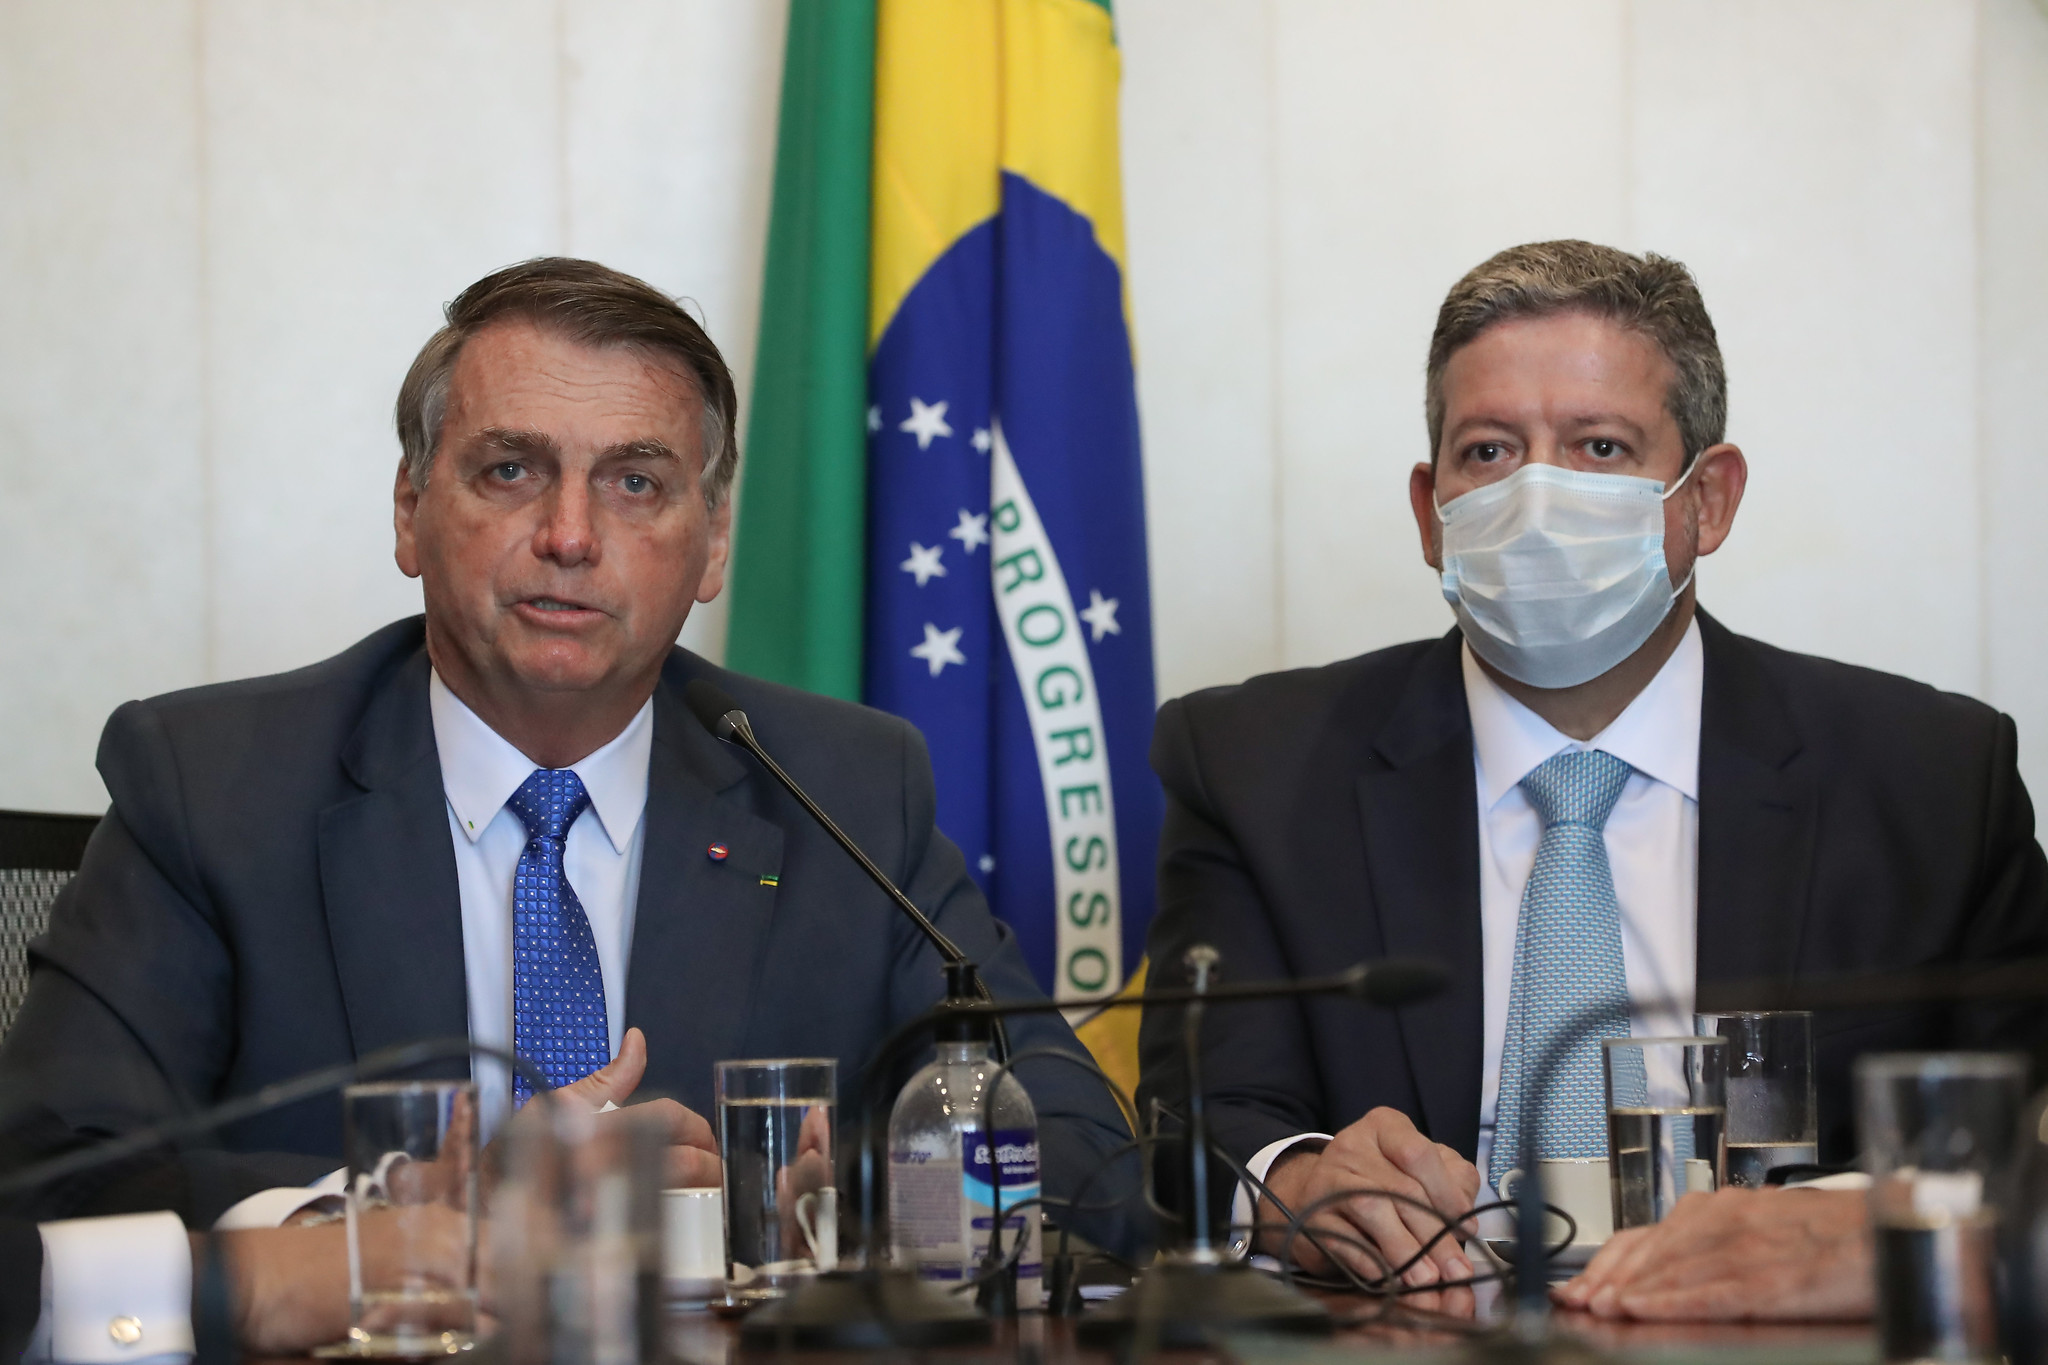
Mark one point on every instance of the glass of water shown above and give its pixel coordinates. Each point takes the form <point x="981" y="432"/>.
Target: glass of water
<point x="575" y="1227"/>
<point x="1937" y="1129"/>
<point x="411" y="1148"/>
<point x="1772" y="1118"/>
<point x="775" y="1132"/>
<point x="1667" y="1111"/>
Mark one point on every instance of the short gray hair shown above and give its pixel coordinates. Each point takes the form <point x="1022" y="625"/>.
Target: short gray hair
<point x="592" y="305"/>
<point x="1648" y="294"/>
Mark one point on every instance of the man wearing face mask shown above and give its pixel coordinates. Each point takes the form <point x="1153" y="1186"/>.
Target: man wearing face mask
<point x="1589" y="793"/>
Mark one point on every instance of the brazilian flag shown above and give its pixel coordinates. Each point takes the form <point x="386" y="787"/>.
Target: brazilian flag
<point x="942" y="512"/>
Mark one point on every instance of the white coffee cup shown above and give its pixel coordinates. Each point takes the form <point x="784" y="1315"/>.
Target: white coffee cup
<point x="817" y="1213"/>
<point x="1579" y="1187"/>
<point x="693" y="1241"/>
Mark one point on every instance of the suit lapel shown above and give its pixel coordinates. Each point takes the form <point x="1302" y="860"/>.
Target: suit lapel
<point x="1757" y="819"/>
<point x="1419" y="806"/>
<point x="387" y="877"/>
<point x="702" y="925"/>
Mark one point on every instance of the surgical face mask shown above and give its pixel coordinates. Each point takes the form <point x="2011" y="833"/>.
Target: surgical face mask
<point x="1557" y="575"/>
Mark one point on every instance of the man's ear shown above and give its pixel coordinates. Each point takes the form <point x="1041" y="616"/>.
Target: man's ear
<point x="1422" y="499"/>
<point x="405" y="506"/>
<point x="1722" y="476"/>
<point x="712" y="582"/>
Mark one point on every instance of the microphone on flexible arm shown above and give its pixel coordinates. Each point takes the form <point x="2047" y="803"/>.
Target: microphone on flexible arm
<point x="876" y="1307"/>
<point x="722" y="716"/>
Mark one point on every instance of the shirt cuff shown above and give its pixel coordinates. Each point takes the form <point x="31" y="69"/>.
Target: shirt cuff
<point x="1244" y="1209"/>
<point x="269" y="1208"/>
<point x="116" y="1290"/>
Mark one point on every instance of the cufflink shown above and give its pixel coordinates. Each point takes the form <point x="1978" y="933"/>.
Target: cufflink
<point x="125" y="1330"/>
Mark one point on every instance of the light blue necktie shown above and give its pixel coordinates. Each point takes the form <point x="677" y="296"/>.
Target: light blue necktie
<point x="1569" y="972"/>
<point x="558" y="1015"/>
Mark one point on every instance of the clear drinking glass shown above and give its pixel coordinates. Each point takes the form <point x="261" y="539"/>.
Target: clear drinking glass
<point x="411" y="1149"/>
<point x="1772" y="1117"/>
<point x="576" y="1233"/>
<point x="1937" y="1129"/>
<point x="1667" y="1108"/>
<point x="775" y="1133"/>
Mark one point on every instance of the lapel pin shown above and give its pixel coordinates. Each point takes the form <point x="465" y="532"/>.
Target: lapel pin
<point x="718" y="853"/>
<point x="771" y="881"/>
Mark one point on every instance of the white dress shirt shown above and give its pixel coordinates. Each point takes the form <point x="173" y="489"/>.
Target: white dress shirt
<point x="107" y="1279"/>
<point x="1652" y="844"/>
<point x="115" y="1290"/>
<point x="1652" y="847"/>
<point x="480" y="770"/>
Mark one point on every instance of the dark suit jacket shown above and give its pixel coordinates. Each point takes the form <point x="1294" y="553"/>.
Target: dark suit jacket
<point x="274" y="890"/>
<point x="142" y="1184"/>
<point x="21" y="1285"/>
<point x="1848" y="820"/>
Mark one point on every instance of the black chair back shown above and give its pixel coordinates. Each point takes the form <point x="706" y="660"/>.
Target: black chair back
<point x="38" y="855"/>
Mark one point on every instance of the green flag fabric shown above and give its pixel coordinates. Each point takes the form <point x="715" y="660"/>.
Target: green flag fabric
<point x="800" y="542"/>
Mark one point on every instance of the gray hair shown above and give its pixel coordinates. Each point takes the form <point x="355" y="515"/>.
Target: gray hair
<point x="592" y="305"/>
<point x="1649" y="294"/>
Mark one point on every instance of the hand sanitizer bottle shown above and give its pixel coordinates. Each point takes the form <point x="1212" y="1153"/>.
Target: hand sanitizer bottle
<point x="953" y="1159"/>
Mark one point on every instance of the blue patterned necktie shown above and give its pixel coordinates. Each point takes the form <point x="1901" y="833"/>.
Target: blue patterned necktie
<point x="1569" y="973"/>
<point x="558" y="1016"/>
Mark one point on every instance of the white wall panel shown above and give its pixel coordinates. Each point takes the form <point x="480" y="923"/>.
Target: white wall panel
<point x="366" y="160"/>
<point x="671" y="152"/>
<point x="226" y="226"/>
<point x="2013" y="379"/>
<point x="1413" y="141"/>
<point x="102" y="495"/>
<point x="1814" y="164"/>
<point x="1198" y="183"/>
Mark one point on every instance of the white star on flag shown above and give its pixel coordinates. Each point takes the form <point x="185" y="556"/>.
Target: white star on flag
<point x="926" y="420"/>
<point x="874" y="419"/>
<point x="1100" y="614"/>
<point x="982" y="440"/>
<point x="924" y="562"/>
<point x="972" y="530"/>
<point x="940" y="647"/>
<point x="987" y="864"/>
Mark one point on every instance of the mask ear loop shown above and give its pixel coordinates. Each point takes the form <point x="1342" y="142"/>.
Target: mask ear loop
<point x="1681" y="481"/>
<point x="1679" y="591"/>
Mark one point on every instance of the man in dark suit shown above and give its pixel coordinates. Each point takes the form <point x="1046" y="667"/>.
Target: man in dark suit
<point x="499" y="819"/>
<point x="1588" y="794"/>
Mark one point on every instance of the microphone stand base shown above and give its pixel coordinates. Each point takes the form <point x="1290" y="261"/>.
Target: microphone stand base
<point x="1185" y="1303"/>
<point x="864" y="1310"/>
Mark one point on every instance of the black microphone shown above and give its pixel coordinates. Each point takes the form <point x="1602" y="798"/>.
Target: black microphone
<point x="721" y="715"/>
<point x="874" y="1307"/>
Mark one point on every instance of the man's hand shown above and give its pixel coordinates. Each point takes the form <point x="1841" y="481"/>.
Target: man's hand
<point x="693" y="1150"/>
<point x="288" y="1287"/>
<point x="1768" y="1255"/>
<point x="1381" y="1151"/>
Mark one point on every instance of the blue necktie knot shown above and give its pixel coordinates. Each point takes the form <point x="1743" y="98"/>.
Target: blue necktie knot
<point x="548" y="802"/>
<point x="1576" y="787"/>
